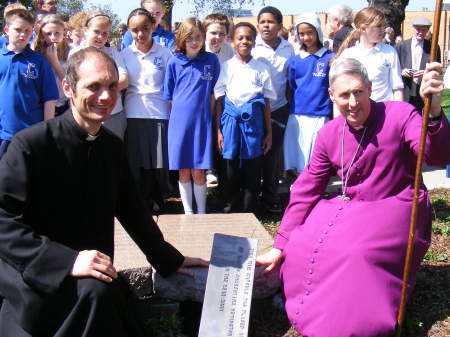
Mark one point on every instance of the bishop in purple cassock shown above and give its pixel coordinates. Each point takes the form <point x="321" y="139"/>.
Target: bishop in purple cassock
<point x="342" y="256"/>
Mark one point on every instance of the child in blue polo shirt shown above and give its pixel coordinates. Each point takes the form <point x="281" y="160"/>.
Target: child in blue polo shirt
<point x="244" y="129"/>
<point x="27" y="83"/>
<point x="311" y="105"/>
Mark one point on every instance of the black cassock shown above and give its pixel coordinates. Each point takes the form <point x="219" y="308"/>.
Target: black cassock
<point x="59" y="193"/>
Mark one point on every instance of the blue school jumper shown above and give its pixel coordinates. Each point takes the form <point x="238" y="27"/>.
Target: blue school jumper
<point x="27" y="81"/>
<point x="243" y="129"/>
<point x="308" y="80"/>
<point x="161" y="36"/>
<point x="189" y="84"/>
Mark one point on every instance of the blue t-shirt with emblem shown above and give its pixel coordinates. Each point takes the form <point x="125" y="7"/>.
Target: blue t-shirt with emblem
<point x="27" y="81"/>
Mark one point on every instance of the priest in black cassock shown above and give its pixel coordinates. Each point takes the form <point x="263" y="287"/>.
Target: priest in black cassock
<point x="62" y="182"/>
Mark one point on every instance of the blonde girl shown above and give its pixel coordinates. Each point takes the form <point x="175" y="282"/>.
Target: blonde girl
<point x="189" y="83"/>
<point x="96" y="31"/>
<point x="50" y="42"/>
<point x="380" y="59"/>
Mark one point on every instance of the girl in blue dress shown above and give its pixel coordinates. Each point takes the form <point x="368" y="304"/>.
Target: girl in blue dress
<point x="189" y="83"/>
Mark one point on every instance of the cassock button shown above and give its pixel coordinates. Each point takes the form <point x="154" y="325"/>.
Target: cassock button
<point x="316" y="251"/>
<point x="310" y="271"/>
<point x="307" y="292"/>
<point x="340" y="207"/>
<point x="308" y="282"/>
<point x="330" y="224"/>
<point x="320" y="240"/>
<point x="312" y="260"/>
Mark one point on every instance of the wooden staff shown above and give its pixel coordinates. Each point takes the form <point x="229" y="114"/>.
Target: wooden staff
<point x="418" y="177"/>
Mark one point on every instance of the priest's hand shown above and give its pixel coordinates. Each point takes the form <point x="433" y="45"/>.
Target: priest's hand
<point x="272" y="260"/>
<point x="432" y="84"/>
<point x="191" y="262"/>
<point x="92" y="263"/>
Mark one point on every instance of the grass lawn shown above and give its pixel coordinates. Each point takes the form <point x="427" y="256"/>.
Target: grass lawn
<point x="445" y="101"/>
<point x="428" y="312"/>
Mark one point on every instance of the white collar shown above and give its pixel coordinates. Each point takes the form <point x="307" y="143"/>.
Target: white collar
<point x="260" y="42"/>
<point x="135" y="49"/>
<point x="415" y="43"/>
<point x="377" y="47"/>
<point x="303" y="53"/>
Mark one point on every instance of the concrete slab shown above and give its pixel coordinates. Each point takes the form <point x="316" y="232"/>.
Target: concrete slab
<point x="193" y="235"/>
<point x="127" y="254"/>
<point x="434" y="177"/>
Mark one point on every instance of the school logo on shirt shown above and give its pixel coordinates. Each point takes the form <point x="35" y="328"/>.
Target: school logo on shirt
<point x="31" y="72"/>
<point x="320" y="66"/>
<point x="207" y="75"/>
<point x="258" y="80"/>
<point x="157" y="62"/>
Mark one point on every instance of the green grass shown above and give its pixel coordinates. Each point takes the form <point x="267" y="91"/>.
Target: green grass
<point x="445" y="101"/>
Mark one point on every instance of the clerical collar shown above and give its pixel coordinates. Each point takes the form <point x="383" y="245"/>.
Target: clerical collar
<point x="91" y="138"/>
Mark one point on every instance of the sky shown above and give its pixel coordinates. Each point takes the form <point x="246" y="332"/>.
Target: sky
<point x="183" y="8"/>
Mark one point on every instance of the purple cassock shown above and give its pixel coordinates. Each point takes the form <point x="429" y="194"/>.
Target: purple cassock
<point x="343" y="259"/>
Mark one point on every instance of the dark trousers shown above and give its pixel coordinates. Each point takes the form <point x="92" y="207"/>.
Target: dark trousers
<point x="243" y="180"/>
<point x="153" y="184"/>
<point x="80" y="307"/>
<point x="417" y="101"/>
<point x="272" y="161"/>
<point x="3" y="147"/>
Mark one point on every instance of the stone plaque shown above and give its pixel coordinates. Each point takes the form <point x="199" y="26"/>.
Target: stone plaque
<point x="228" y="295"/>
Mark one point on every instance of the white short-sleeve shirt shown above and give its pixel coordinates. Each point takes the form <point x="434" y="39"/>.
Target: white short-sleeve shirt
<point x="115" y="55"/>
<point x="226" y="52"/>
<point x="241" y="82"/>
<point x="276" y="61"/>
<point x="144" y="97"/>
<point x="383" y="67"/>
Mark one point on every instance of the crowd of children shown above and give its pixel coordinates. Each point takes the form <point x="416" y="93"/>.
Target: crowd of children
<point x="237" y="99"/>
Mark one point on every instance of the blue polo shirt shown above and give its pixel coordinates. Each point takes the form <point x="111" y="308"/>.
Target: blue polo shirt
<point x="3" y="41"/>
<point x="163" y="37"/>
<point x="26" y="83"/>
<point x="308" y="79"/>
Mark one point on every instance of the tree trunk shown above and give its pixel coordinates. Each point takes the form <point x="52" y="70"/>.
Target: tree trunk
<point x="394" y="10"/>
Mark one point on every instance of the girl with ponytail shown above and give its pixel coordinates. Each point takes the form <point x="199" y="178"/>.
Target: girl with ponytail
<point x="380" y="59"/>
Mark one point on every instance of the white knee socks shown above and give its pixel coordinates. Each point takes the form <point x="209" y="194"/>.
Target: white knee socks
<point x="200" y="198"/>
<point x="186" y="196"/>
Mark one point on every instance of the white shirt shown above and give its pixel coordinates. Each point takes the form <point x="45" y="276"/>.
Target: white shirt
<point x="383" y="68"/>
<point x="241" y="82"/>
<point x="416" y="53"/>
<point x="276" y="61"/>
<point x="144" y="96"/>
<point x="226" y="52"/>
<point x="115" y="55"/>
